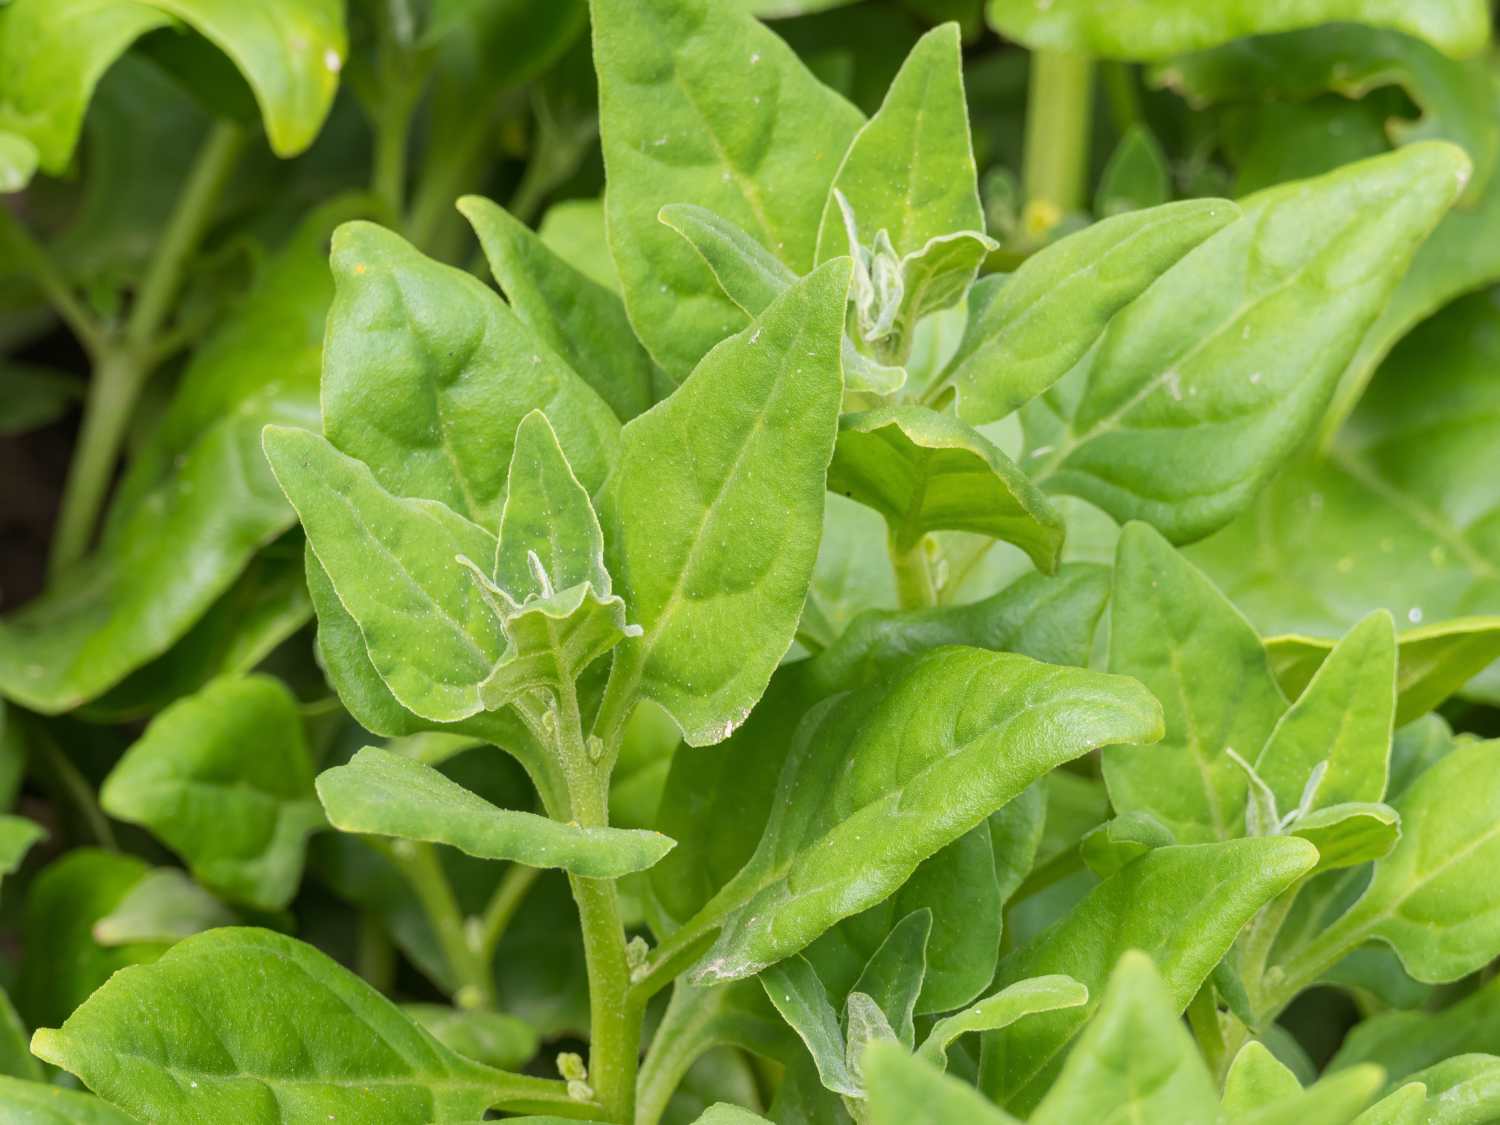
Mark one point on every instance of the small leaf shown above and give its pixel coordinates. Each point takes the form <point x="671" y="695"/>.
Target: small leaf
<point x="1026" y="331"/>
<point x="794" y="988"/>
<point x="1349" y="834"/>
<point x="713" y="516"/>
<point x="1136" y="177"/>
<point x="1014" y="1002"/>
<point x="699" y="103"/>
<point x="193" y="1036"/>
<point x="1121" y="839"/>
<point x="893" y="976"/>
<point x="1256" y="1078"/>
<point x="492" y="1038"/>
<point x="578" y="318"/>
<point x="165" y="906"/>
<point x="842" y="838"/>
<point x="393" y="563"/>
<point x="384" y="794"/>
<point x="223" y="777"/>
<point x="1135" y="1061"/>
<point x="926" y="471"/>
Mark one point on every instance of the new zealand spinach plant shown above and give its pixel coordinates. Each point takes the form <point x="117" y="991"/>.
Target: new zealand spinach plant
<point x="935" y="562"/>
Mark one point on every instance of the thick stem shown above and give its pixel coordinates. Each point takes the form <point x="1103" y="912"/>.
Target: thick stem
<point x="1058" y="110"/>
<point x="419" y="865"/>
<point x="914" y="585"/>
<point x="615" y="1016"/>
<point x="123" y="364"/>
<point x="1122" y="95"/>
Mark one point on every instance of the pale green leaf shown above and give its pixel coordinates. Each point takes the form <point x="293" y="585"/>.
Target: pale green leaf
<point x="384" y="794"/>
<point x="1135" y="1061"/>
<point x="258" y="1026"/>
<point x="223" y="777"/>
<point x="1154" y="29"/>
<point x="1027" y="330"/>
<point x="492" y="1038"/>
<point x="953" y="737"/>
<point x="1014" y="1002"/>
<point x="926" y="471"/>
<point x="797" y="993"/>
<point x="18" y="159"/>
<point x="1179" y="417"/>
<point x="1336" y="1098"/>
<point x="1170" y="629"/>
<point x="713" y="516"/>
<point x="700" y="104"/>
<point x="1256" y="1078"/>
<point x="894" y="975"/>
<point x="574" y="315"/>
<point x="165" y="906"/>
<point x="1349" y="834"/>
<point x="907" y="1090"/>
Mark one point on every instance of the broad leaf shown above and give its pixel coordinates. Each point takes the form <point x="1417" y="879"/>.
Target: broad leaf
<point x="1459" y="1091"/>
<point x="1135" y="1061"/>
<point x="1154" y="29"/>
<point x="713" y="516"/>
<point x="427" y="374"/>
<point x="699" y="103"/>
<point x="53" y="53"/>
<point x="904" y="1090"/>
<point x="385" y="794"/>
<point x="1183" y="905"/>
<point x="430" y="632"/>
<point x="1180" y="420"/>
<point x="926" y="471"/>
<point x="1403" y="1043"/>
<point x="224" y="778"/>
<point x="39" y="1103"/>
<point x="264" y="1027"/>
<point x="938" y="747"/>
<point x="1179" y="636"/>
<point x="1256" y="1078"/>
<point x="574" y="315"/>
<point x="1026" y="331"/>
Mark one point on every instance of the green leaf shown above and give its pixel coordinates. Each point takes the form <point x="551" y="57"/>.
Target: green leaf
<point x="698" y="103"/>
<point x="1136" y="177"/>
<point x="385" y="794"/>
<point x="926" y="471"/>
<point x="713" y="516"/>
<point x="893" y="976"/>
<point x="194" y="1035"/>
<point x="1401" y="514"/>
<point x="1180" y="421"/>
<point x="393" y="563"/>
<point x="1460" y="1091"/>
<point x="1428" y="898"/>
<point x="574" y="230"/>
<point x="1111" y="845"/>
<point x="906" y="1090"/>
<point x="53" y="53"/>
<point x="797" y="993"/>
<point x="1403" y="1043"/>
<point x="427" y="375"/>
<point x="492" y="1038"/>
<point x="1349" y="834"/>
<point x="223" y="777"/>
<point x="39" y="1103"/>
<point x="955" y="736"/>
<point x="16" y="1059"/>
<point x="1183" y="905"/>
<point x="1170" y="629"/>
<point x="165" y="906"/>
<point x="1135" y="1061"/>
<point x="31" y="396"/>
<point x="1156" y="29"/>
<point x="910" y="171"/>
<point x="1014" y="1002"/>
<point x="1341" y="721"/>
<point x="63" y="962"/>
<point x="1256" y="1078"/>
<point x="1336" y="1097"/>
<point x="574" y="315"/>
<point x="198" y="500"/>
<point x="1028" y="330"/>
<point x="18" y="159"/>
<point x="17" y="835"/>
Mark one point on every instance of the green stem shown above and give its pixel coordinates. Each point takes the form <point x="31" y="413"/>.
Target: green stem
<point x="1203" y="1018"/>
<point x="449" y="170"/>
<point x="391" y="123"/>
<point x="1059" y="106"/>
<point x="1121" y="93"/>
<point x="32" y="257"/>
<point x="514" y="885"/>
<point x="419" y="865"/>
<point x="374" y="955"/>
<point x="123" y="363"/>
<point x="615" y="1015"/>
<point x="914" y="585"/>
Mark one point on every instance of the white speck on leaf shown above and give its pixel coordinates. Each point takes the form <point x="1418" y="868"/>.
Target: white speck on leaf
<point x="1255" y="376"/>
<point x="332" y="61"/>
<point x="1174" y="384"/>
<point x="1414" y="615"/>
<point x="1041" y="451"/>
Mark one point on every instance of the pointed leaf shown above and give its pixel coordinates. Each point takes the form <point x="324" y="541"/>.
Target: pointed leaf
<point x="1026" y="331"/>
<point x="1181" y="421"/>
<point x="393" y="563"/>
<point x="1349" y="834"/>
<point x="794" y="988"/>
<point x="699" y="103"/>
<point x="714" y="514"/>
<point x="1014" y="1002"/>
<point x="906" y="1090"/>
<point x="1173" y="631"/>
<point x="1256" y="1078"/>
<point x="570" y="312"/>
<point x="385" y="794"/>
<point x="251" y="1023"/>
<point x="223" y="777"/>
<point x="1135" y="1061"/>
<point x="953" y="737"/>
<point x="926" y="471"/>
<point x="893" y="976"/>
<point x="164" y="906"/>
<point x="17" y="835"/>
